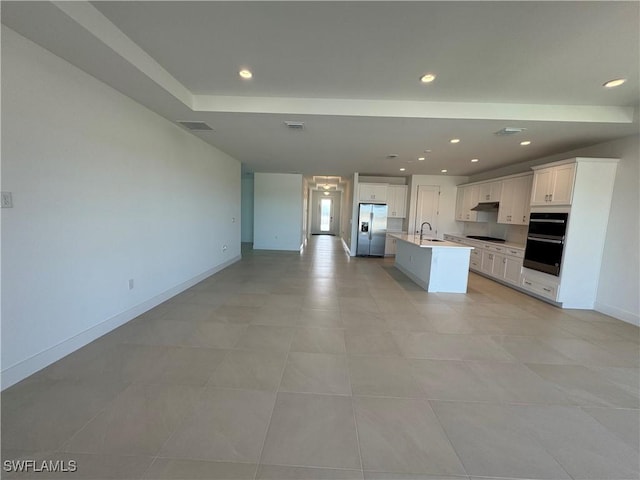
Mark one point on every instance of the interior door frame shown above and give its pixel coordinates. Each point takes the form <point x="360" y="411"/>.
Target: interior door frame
<point x="416" y="220"/>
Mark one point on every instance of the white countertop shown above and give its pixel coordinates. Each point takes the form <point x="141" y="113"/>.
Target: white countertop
<point x="466" y="239"/>
<point x="426" y="242"/>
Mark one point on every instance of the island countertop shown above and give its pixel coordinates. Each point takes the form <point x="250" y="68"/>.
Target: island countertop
<point x="427" y="242"/>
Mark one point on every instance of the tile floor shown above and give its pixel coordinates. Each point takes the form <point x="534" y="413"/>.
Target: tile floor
<point x="321" y="366"/>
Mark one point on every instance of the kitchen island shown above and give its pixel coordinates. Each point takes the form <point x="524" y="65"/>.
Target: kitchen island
<point x="435" y="265"/>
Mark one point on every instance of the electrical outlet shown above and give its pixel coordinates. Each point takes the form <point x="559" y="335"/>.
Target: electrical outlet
<point x="131" y="284"/>
<point x="233" y="219"/>
<point x="7" y="200"/>
<point x="224" y="248"/>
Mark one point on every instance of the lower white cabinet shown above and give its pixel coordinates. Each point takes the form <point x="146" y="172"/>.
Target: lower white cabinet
<point x="540" y="284"/>
<point x="512" y="269"/>
<point x="390" y="246"/>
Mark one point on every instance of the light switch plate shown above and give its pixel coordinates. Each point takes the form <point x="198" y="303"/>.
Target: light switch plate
<point x="7" y="200"/>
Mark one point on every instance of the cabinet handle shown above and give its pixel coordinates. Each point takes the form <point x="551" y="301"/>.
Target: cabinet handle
<point x="551" y="197"/>
<point x="527" y="283"/>
<point x="524" y="219"/>
<point x="504" y="260"/>
<point x="546" y="289"/>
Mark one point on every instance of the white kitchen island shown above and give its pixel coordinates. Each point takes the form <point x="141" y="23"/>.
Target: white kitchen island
<point x="437" y="266"/>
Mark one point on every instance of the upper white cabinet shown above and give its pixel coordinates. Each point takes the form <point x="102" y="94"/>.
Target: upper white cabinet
<point x="460" y="204"/>
<point x="470" y="200"/>
<point x="490" y="191"/>
<point x="514" y="200"/>
<point x="397" y="201"/>
<point x="553" y="185"/>
<point x="373" y="192"/>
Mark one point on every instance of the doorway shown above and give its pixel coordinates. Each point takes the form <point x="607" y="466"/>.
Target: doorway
<point x="325" y="213"/>
<point x="427" y="208"/>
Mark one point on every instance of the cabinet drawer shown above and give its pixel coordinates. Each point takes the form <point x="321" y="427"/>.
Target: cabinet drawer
<point x="544" y="290"/>
<point x="477" y="254"/>
<point x="514" y="252"/>
<point x="494" y="248"/>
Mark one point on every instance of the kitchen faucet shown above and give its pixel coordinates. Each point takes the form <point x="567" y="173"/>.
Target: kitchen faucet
<point x="422" y="227"/>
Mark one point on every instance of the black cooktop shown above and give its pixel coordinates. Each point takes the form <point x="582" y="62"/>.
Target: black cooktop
<point x="486" y="239"/>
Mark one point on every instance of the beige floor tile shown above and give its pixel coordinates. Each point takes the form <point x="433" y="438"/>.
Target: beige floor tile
<point x="262" y="337"/>
<point x="42" y="415"/>
<point x="585" y="387"/>
<point x="412" y="476"/>
<point x="403" y="436"/>
<point x="316" y="373"/>
<point x="312" y="431"/>
<point x="250" y="370"/>
<point x="583" y="447"/>
<point x="362" y="321"/>
<point x="318" y="340"/>
<point x="182" y="469"/>
<point x="491" y="442"/>
<point x="190" y="334"/>
<point x="531" y="350"/>
<point x="498" y="366"/>
<point x="383" y="376"/>
<point x="623" y="423"/>
<point x="225" y="425"/>
<point x="279" y="472"/>
<point x="450" y="347"/>
<point x="320" y="318"/>
<point x="371" y="342"/>
<point x="137" y="422"/>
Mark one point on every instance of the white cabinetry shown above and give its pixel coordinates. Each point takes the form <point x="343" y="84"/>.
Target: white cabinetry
<point x="490" y="191"/>
<point x="584" y="188"/>
<point x="553" y="185"/>
<point x="460" y="204"/>
<point x="390" y="245"/>
<point x="397" y="201"/>
<point x="466" y="199"/>
<point x="373" y="192"/>
<point x="514" y="200"/>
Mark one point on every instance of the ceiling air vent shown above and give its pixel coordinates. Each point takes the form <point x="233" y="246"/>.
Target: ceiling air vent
<point x="196" y="126"/>
<point x="294" y="125"/>
<point x="509" y="131"/>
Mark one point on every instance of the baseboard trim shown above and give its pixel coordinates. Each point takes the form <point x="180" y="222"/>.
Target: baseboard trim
<point x="618" y="313"/>
<point x="346" y="248"/>
<point x="21" y="370"/>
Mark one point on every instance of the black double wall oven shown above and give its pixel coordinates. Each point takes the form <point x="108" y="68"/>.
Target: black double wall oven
<point x="545" y="242"/>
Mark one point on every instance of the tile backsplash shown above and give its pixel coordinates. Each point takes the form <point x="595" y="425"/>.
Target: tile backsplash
<point x="491" y="228"/>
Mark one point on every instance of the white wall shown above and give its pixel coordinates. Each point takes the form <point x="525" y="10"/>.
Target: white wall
<point x="247" y="208"/>
<point x="619" y="281"/>
<point x="104" y="191"/>
<point x="446" y="205"/>
<point x="278" y="211"/>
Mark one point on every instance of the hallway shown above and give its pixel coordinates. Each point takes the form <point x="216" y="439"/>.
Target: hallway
<point x="322" y="366"/>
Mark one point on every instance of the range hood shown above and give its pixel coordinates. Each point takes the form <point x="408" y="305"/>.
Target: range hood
<point x="486" y="207"/>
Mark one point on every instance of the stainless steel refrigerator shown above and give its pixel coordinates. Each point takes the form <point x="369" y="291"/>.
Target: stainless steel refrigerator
<point x="372" y="229"/>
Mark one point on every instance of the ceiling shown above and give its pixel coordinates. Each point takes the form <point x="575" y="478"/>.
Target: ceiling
<point x="350" y="71"/>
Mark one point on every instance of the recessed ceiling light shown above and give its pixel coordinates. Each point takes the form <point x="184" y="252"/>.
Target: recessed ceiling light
<point x="526" y="142"/>
<point x="454" y="140"/>
<point x="427" y="78"/>
<point x="245" y="73"/>
<point x="444" y="170"/>
<point x="474" y="160"/>
<point x="402" y="169"/>
<point x="614" y="83"/>
<point x="421" y="158"/>
<point x="427" y="151"/>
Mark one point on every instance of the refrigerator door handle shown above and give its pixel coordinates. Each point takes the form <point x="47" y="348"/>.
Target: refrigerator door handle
<point x="370" y="223"/>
